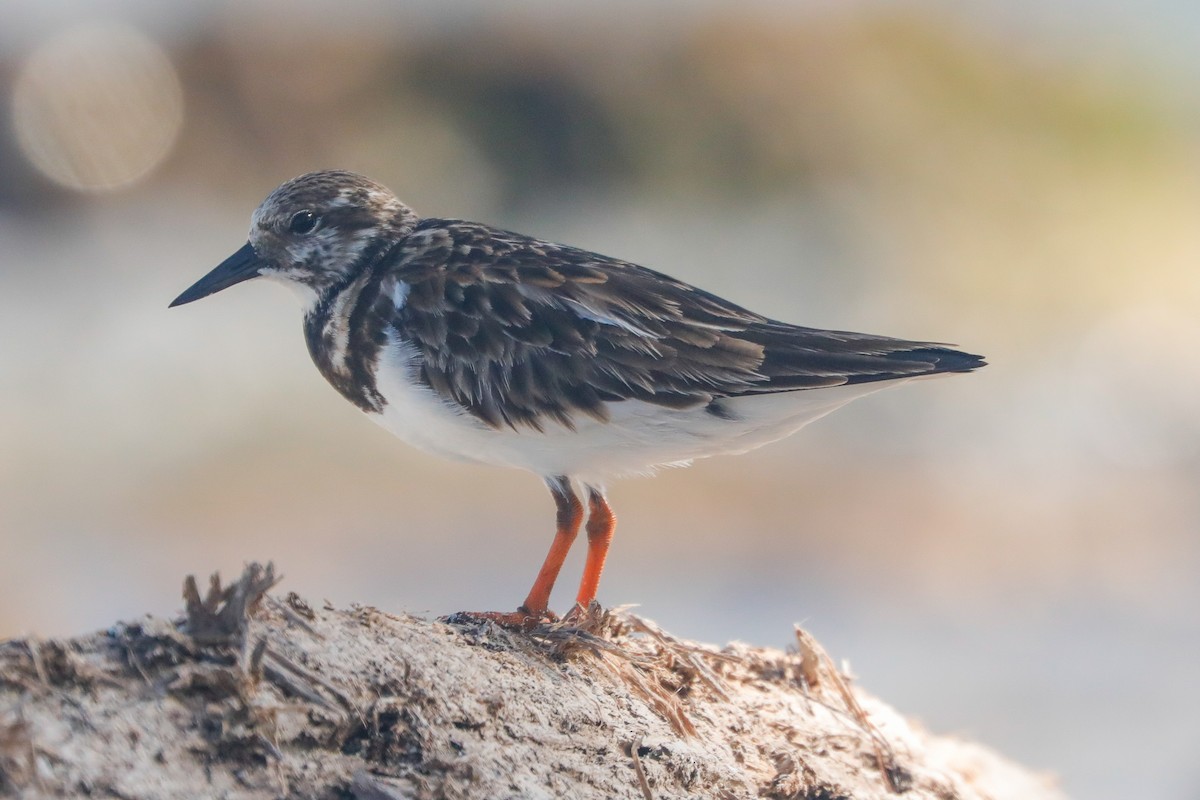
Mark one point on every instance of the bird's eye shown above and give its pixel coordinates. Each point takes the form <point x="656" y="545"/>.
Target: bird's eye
<point x="302" y="222"/>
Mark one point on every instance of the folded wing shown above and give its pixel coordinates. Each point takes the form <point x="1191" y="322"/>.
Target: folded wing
<point x="522" y="332"/>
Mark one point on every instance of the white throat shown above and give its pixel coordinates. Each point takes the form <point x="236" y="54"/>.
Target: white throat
<point x="306" y="294"/>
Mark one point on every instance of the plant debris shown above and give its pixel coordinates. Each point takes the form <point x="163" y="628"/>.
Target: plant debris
<point x="250" y="697"/>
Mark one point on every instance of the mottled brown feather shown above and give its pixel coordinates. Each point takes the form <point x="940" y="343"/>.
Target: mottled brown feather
<point x="522" y="332"/>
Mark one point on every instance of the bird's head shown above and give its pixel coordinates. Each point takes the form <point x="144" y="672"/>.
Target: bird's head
<point x="311" y="233"/>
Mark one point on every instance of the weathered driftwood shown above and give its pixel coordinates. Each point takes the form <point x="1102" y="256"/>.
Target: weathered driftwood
<point x="248" y="696"/>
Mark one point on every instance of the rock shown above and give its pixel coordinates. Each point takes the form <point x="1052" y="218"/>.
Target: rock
<point x="248" y="696"/>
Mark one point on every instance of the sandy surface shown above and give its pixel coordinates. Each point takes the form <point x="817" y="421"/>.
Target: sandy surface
<point x="253" y="696"/>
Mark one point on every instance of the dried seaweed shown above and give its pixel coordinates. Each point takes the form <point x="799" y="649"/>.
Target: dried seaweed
<point x="252" y="697"/>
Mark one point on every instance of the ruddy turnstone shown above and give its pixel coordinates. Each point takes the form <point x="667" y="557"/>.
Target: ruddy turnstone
<point x="485" y="345"/>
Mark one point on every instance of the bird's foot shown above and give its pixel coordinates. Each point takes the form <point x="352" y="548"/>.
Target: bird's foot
<point x="588" y="619"/>
<point x="520" y="620"/>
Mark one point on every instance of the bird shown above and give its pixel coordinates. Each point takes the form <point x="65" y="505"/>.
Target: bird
<point x="489" y="346"/>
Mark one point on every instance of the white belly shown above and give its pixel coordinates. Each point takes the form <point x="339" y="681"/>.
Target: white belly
<point x="638" y="437"/>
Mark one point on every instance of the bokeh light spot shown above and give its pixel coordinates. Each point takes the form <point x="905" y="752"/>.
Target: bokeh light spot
<point x="97" y="107"/>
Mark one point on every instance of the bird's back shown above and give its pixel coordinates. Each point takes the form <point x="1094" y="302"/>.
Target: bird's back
<point x="522" y="332"/>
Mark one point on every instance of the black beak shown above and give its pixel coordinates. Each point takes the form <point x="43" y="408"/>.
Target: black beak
<point x="241" y="266"/>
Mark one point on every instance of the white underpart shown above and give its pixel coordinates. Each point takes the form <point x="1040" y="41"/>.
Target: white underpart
<point x="638" y="438"/>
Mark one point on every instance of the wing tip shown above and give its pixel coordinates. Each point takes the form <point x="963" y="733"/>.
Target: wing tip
<point x="922" y="362"/>
<point x="943" y="359"/>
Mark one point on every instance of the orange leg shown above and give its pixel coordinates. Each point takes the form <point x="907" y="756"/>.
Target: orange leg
<point x="600" y="526"/>
<point x="570" y="514"/>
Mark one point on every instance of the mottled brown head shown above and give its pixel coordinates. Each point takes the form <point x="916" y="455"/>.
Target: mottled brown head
<point x="312" y="233"/>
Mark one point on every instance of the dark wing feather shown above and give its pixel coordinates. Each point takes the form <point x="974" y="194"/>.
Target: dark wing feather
<point x="520" y="332"/>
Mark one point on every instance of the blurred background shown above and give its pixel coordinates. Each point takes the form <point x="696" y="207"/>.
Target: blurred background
<point x="1010" y="555"/>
